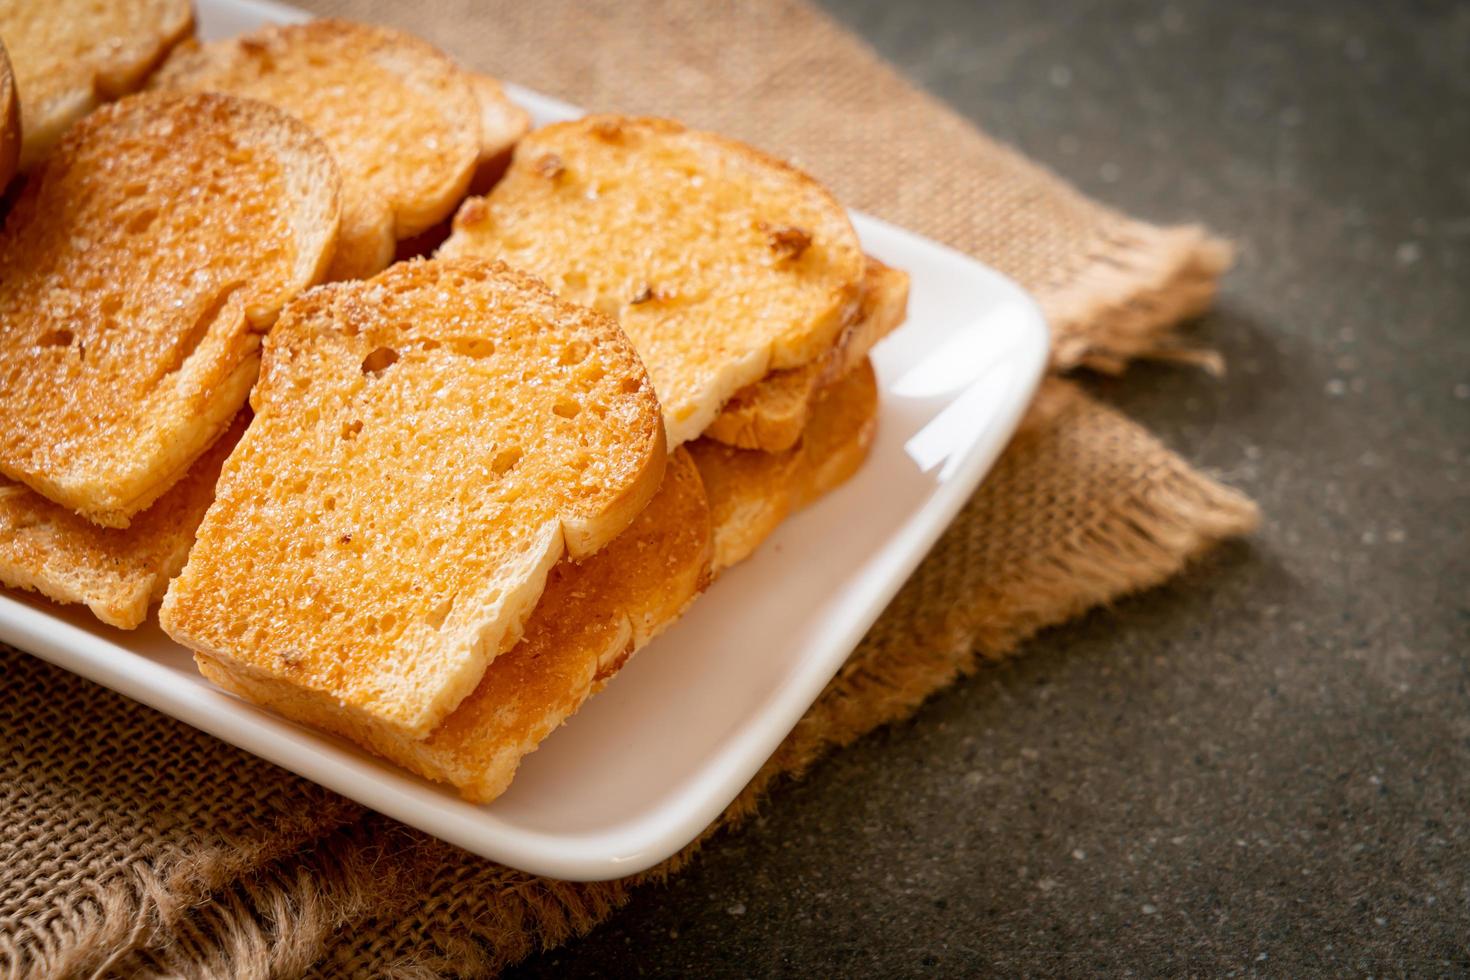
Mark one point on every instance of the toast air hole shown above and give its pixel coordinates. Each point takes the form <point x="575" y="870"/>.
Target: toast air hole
<point x="574" y="353"/>
<point x="504" y="460"/>
<point x="379" y="361"/>
<point x="142" y="221"/>
<point x="475" y="347"/>
<point x="566" y="408"/>
<point x="351" y="429"/>
<point x="56" y="338"/>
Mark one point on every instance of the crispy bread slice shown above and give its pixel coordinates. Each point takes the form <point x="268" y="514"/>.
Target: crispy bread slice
<point x="592" y="617"/>
<point x="9" y="123"/>
<point x="771" y="413"/>
<point x="402" y="120"/>
<point x="426" y="445"/>
<point x="115" y="572"/>
<point x="720" y="262"/>
<point x="69" y="56"/>
<point x="751" y="492"/>
<point x="141" y="260"/>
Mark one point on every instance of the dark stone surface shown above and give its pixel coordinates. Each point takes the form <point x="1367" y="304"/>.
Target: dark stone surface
<point x="1263" y="767"/>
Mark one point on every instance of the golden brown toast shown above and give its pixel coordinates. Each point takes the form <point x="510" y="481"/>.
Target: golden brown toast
<point x="142" y="259"/>
<point x="69" y="56"/>
<point x="592" y="617"/>
<point x="751" y="492"/>
<point x="720" y="262"/>
<point x="426" y="445"/>
<point x="771" y="413"/>
<point x="115" y="572"/>
<point x="9" y="123"/>
<point x="402" y="120"/>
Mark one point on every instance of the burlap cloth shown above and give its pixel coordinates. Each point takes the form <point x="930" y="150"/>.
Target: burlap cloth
<point x="134" y="844"/>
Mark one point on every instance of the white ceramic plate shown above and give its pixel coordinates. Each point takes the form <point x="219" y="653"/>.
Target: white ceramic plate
<point x="649" y="763"/>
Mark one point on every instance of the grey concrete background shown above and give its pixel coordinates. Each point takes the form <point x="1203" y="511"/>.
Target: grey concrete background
<point x="1264" y="767"/>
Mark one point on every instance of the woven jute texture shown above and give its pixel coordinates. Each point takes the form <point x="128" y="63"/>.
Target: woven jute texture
<point x="134" y="845"/>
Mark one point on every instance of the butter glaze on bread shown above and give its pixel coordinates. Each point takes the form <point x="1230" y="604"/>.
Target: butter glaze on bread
<point x="117" y="573"/>
<point x="404" y="123"/>
<point x="427" y="444"/>
<point x="720" y="262"/>
<point x="141" y="261"/>
<point x="592" y="617"/>
<point x="772" y="413"/>
<point x="70" y="56"/>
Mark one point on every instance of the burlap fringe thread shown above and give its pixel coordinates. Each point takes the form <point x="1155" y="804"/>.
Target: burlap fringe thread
<point x="1140" y="282"/>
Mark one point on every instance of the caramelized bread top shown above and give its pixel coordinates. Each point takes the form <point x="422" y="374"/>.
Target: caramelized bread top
<point x="140" y="260"/>
<point x="426" y="445"/>
<point x="719" y="261"/>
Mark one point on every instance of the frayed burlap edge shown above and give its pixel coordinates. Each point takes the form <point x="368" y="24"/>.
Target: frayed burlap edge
<point x="376" y="868"/>
<point x="153" y="897"/>
<point x="1139" y="283"/>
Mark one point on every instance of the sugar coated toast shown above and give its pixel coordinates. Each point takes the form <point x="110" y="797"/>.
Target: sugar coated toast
<point x="117" y="573"/>
<point x="592" y="617"/>
<point x="720" y="262"/>
<point x="751" y="492"/>
<point x="403" y="121"/>
<point x="426" y="445"/>
<point x="9" y="123"/>
<point x="772" y="413"/>
<point x="69" y="56"/>
<point x="141" y="261"/>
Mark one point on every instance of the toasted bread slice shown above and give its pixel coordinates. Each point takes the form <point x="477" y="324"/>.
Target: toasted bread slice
<point x="502" y="124"/>
<point x="69" y="56"/>
<point x="117" y="573"/>
<point x="751" y="492"/>
<point x="719" y="262"/>
<point x="402" y="120"/>
<point x="426" y="445"/>
<point x="141" y="260"/>
<point x="9" y="123"/>
<point x="772" y="413"/>
<point x="592" y="617"/>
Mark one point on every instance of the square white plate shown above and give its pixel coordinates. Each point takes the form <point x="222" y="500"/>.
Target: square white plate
<point x="650" y="762"/>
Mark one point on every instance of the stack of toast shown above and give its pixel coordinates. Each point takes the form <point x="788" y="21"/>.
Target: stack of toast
<point x="424" y="483"/>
